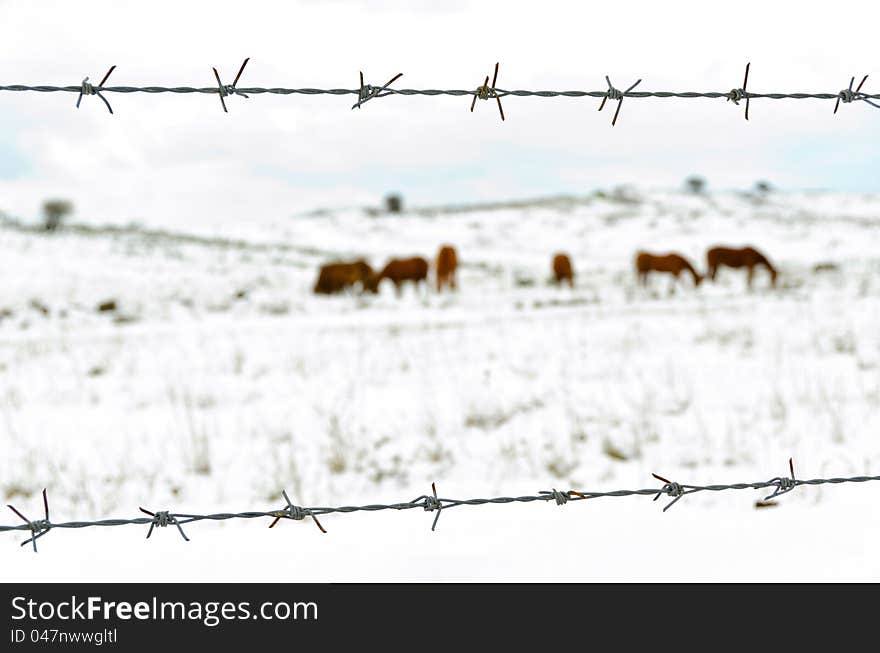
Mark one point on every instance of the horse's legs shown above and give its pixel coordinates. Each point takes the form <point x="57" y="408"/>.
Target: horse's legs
<point x="751" y="275"/>
<point x="772" y="276"/>
<point x="672" y="283"/>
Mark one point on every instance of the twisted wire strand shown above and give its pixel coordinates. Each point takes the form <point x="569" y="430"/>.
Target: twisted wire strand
<point x="433" y="92"/>
<point x="427" y="502"/>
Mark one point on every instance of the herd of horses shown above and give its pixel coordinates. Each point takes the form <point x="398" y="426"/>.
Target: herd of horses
<point x="732" y="257"/>
<point x="343" y="276"/>
<point x="339" y="277"/>
<point x="674" y="264"/>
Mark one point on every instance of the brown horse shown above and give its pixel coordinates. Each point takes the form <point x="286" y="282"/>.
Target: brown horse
<point x="337" y="277"/>
<point x="413" y="269"/>
<point x="669" y="263"/>
<point x="447" y="262"/>
<point x="562" y="270"/>
<point x="747" y="257"/>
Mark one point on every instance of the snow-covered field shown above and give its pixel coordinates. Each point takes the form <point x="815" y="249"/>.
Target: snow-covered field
<point x="217" y="379"/>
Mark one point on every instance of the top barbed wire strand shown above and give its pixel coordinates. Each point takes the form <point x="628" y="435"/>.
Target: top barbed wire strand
<point x="433" y="92"/>
<point x="367" y="92"/>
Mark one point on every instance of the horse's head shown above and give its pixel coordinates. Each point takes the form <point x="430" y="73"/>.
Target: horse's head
<point x="371" y="282"/>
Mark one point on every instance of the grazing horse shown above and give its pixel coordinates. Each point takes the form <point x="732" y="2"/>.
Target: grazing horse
<point x="413" y="269"/>
<point x="562" y="270"/>
<point x="337" y="277"/>
<point x="669" y="263"/>
<point x="747" y="257"/>
<point x="447" y="261"/>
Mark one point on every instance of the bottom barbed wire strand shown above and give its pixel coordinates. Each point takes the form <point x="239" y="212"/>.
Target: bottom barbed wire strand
<point x="294" y="512"/>
<point x="429" y="502"/>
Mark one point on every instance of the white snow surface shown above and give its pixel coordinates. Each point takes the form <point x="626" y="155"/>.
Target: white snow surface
<point x="219" y="379"/>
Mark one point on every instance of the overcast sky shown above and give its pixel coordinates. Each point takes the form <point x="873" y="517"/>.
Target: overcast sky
<point x="164" y="158"/>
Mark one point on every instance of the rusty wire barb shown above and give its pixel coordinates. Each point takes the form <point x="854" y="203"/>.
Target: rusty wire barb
<point x="486" y="92"/>
<point x="784" y="484"/>
<point x="225" y="90"/>
<point x="675" y="490"/>
<point x="847" y="95"/>
<point x="614" y="94"/>
<point x="427" y="502"/>
<point x="430" y="503"/>
<point x="87" y="89"/>
<point x="366" y="92"/>
<point x="39" y="527"/>
<point x="738" y="94"/>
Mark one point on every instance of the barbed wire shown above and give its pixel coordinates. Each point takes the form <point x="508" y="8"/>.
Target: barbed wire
<point x="367" y="92"/>
<point x="427" y="502"/>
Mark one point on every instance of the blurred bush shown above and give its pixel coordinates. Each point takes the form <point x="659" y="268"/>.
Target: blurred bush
<point x="393" y="203"/>
<point x="54" y="211"/>
<point x="695" y="184"/>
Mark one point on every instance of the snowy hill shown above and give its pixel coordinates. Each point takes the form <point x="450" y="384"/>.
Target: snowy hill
<point x="214" y="378"/>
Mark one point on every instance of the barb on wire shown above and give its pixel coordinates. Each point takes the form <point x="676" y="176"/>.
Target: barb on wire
<point x="37" y="528"/>
<point x="431" y="503"/>
<point x="162" y="519"/>
<point x="674" y="490"/>
<point x="486" y="92"/>
<point x="614" y="94"/>
<point x="847" y="95"/>
<point x="427" y="502"/>
<point x="738" y="94"/>
<point x="294" y="512"/>
<point x="87" y="89"/>
<point x="366" y="92"/>
<point x="783" y="484"/>
<point x="230" y="89"/>
<point x="561" y="498"/>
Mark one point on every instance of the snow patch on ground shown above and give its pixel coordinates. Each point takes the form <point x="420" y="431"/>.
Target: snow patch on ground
<point x="214" y="378"/>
